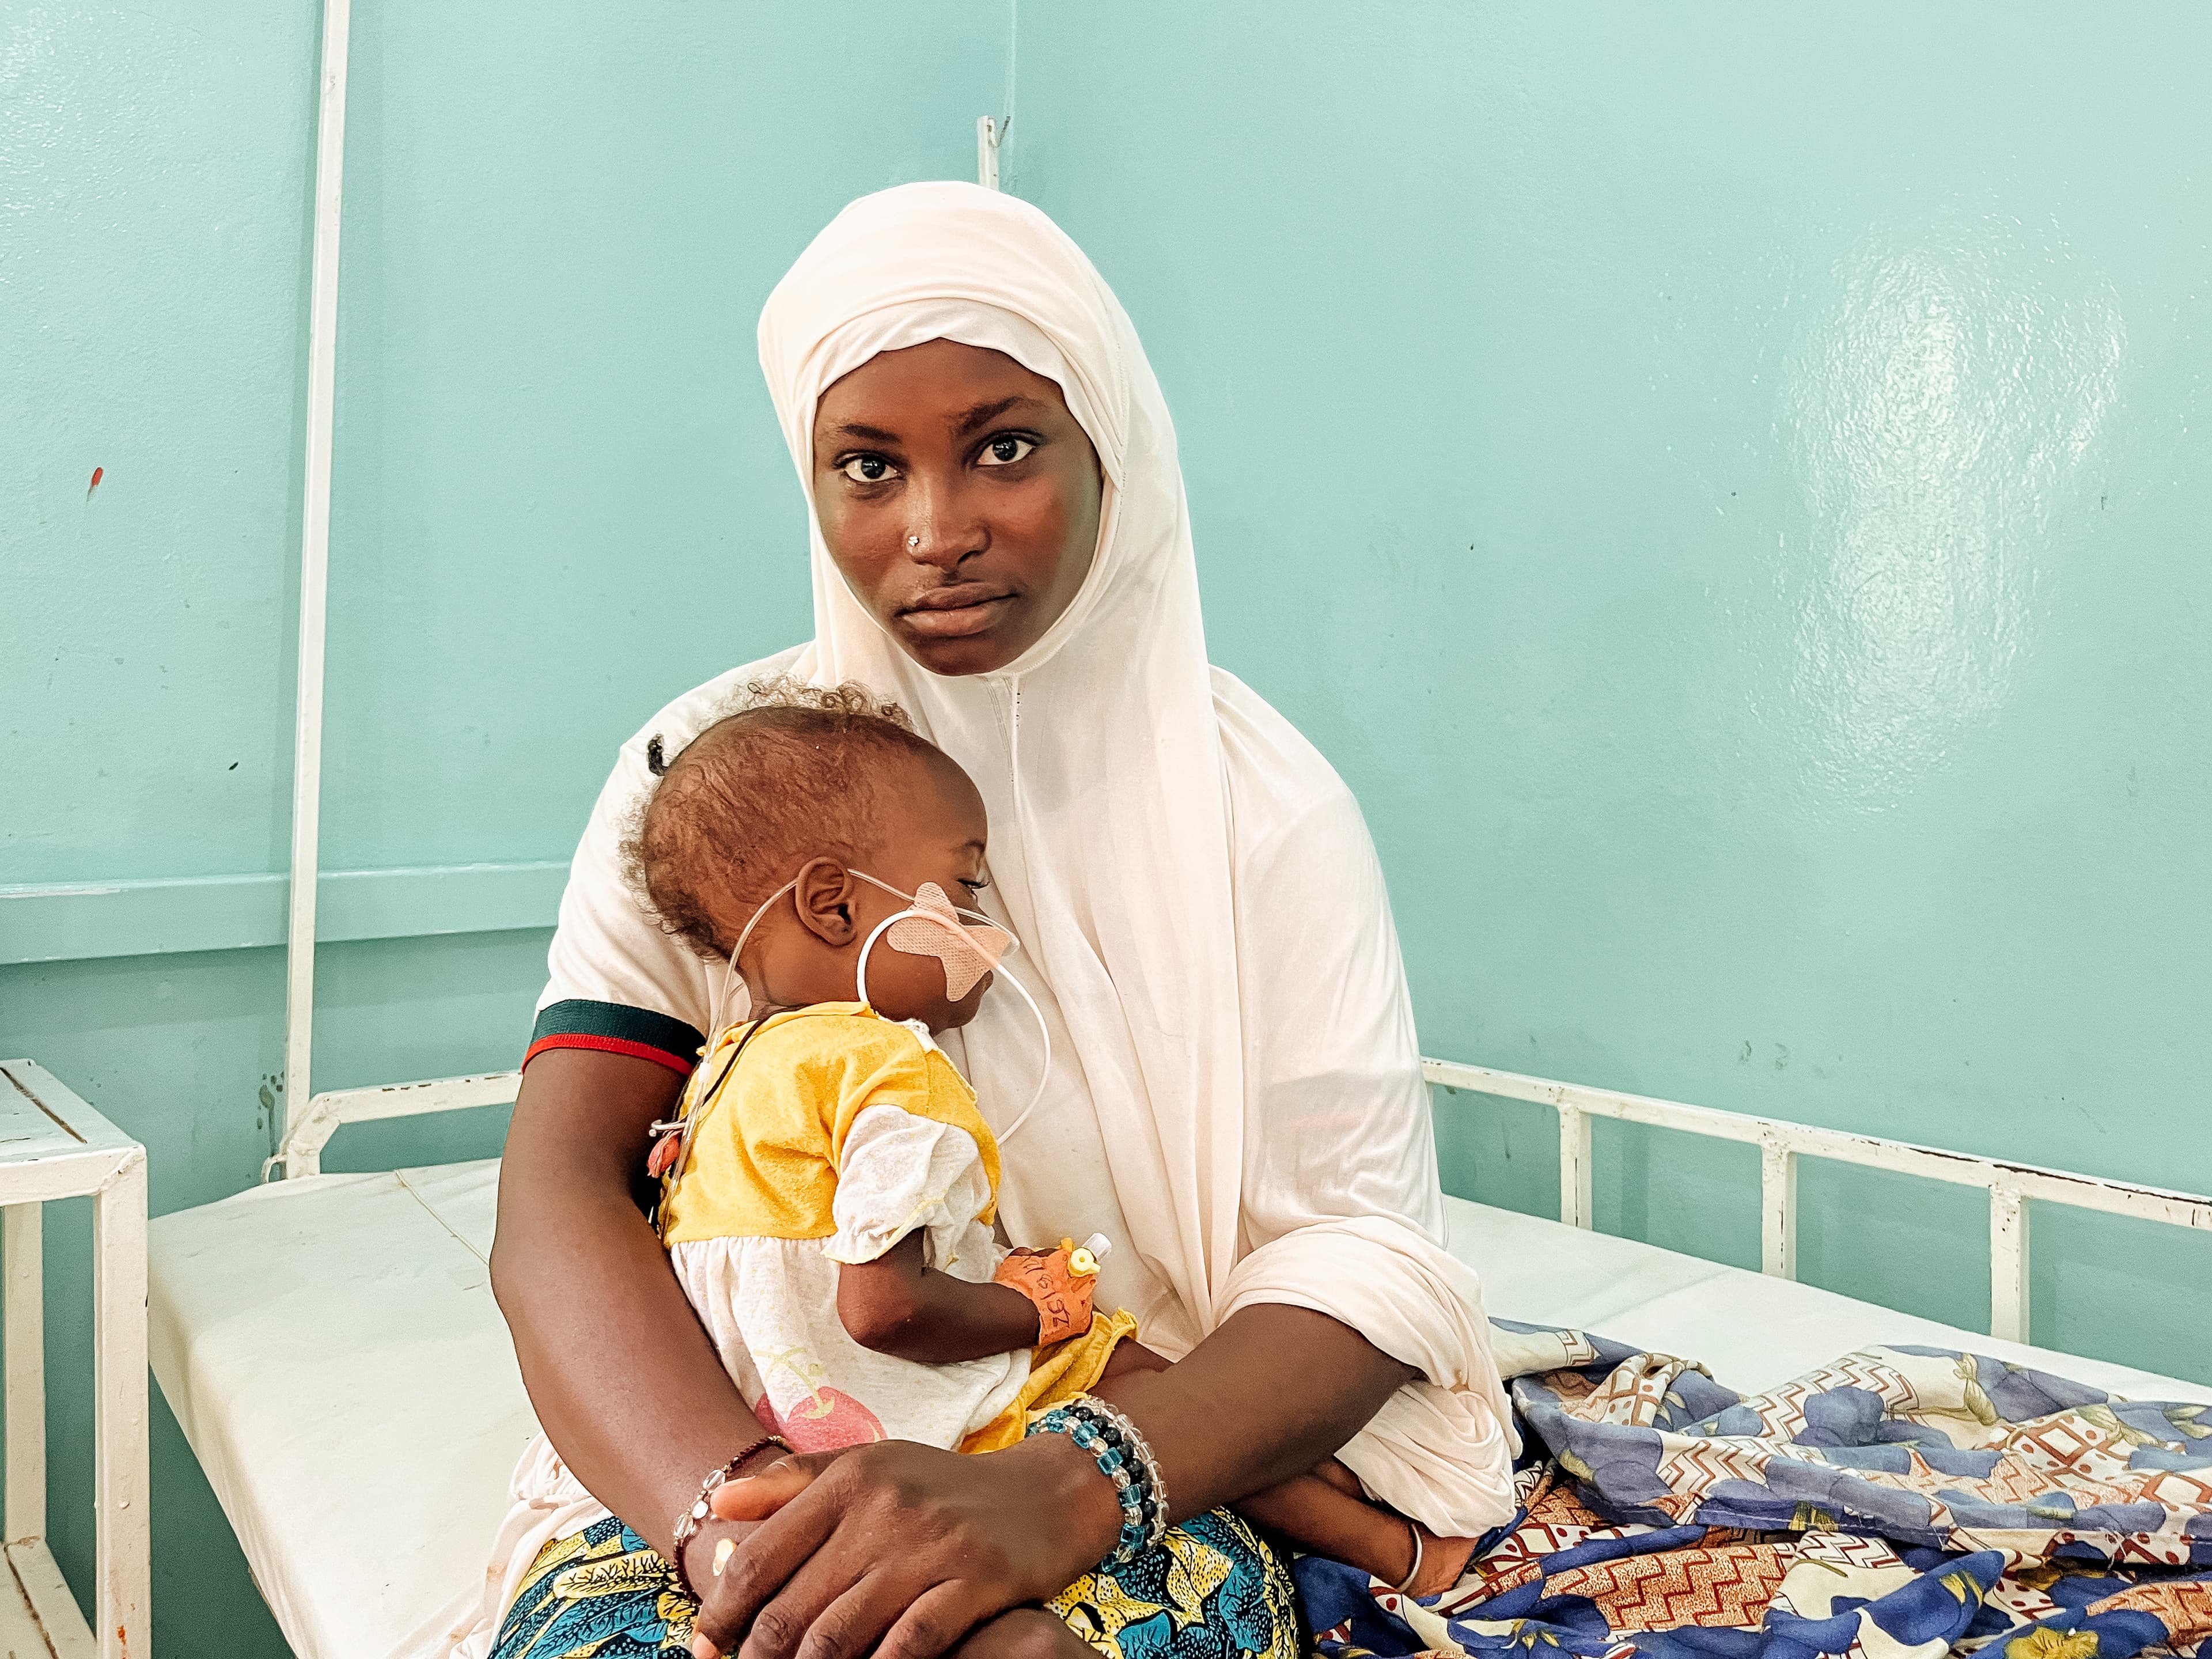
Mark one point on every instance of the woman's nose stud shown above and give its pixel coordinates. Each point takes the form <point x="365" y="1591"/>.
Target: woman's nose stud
<point x="913" y="541"/>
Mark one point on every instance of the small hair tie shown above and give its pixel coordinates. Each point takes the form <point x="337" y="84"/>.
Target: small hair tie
<point x="656" y="758"/>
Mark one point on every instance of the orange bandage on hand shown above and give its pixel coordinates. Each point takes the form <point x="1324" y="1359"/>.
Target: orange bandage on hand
<point x="1061" y="1282"/>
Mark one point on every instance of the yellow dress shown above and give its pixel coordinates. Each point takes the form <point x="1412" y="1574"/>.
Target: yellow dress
<point x="836" y="1134"/>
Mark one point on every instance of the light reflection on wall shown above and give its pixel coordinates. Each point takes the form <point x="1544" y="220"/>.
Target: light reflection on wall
<point x="1938" y="407"/>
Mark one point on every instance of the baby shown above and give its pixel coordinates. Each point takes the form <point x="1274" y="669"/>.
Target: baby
<point x="829" y="1186"/>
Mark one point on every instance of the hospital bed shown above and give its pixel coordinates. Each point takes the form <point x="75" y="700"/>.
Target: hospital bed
<point x="330" y="1347"/>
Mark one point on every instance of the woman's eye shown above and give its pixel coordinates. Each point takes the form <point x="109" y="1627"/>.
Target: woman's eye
<point x="1004" y="450"/>
<point x="974" y="887"/>
<point x="867" y="469"/>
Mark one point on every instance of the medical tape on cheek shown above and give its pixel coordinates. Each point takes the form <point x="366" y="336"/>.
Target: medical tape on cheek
<point x="938" y="927"/>
<point x="965" y="944"/>
<point x="966" y="950"/>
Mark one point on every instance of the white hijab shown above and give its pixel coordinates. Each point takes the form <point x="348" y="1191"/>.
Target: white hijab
<point x="1116" y="796"/>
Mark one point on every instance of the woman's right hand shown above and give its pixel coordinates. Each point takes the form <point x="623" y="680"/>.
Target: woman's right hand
<point x="897" y="1549"/>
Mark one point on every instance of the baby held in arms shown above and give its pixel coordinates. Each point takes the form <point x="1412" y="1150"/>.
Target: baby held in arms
<point x="828" y="1188"/>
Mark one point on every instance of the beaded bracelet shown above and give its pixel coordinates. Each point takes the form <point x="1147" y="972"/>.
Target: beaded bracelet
<point x="1136" y="1514"/>
<point x="1115" y="1425"/>
<point x="1124" y="1457"/>
<point x="688" y="1523"/>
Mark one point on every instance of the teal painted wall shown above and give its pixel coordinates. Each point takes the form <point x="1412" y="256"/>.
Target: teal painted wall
<point x="560" y="498"/>
<point x="1732" y="489"/>
<point x="1728" y="489"/>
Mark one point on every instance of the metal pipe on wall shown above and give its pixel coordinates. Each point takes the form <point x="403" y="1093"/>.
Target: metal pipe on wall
<point x="314" y="566"/>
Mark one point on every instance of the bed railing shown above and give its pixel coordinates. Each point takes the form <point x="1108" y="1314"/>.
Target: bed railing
<point x="2010" y="1186"/>
<point x="300" y="1152"/>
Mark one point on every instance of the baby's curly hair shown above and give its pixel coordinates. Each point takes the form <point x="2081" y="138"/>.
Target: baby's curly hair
<point x="790" y="772"/>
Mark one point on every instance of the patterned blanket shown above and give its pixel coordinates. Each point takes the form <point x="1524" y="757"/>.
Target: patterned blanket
<point x="1903" y="1501"/>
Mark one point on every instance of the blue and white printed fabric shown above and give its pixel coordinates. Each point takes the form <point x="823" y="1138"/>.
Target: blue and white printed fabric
<point x="1902" y="1501"/>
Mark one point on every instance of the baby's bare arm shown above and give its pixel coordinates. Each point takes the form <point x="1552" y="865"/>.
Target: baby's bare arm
<point x="899" y="1306"/>
<point x="1127" y="1359"/>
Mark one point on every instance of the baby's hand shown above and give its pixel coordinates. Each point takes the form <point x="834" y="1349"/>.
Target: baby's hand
<point x="1056" y="1281"/>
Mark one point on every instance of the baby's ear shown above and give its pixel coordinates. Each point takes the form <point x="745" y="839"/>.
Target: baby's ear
<point x="825" y="898"/>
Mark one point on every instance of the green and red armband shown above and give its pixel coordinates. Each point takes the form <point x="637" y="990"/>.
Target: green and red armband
<point x="613" y="1028"/>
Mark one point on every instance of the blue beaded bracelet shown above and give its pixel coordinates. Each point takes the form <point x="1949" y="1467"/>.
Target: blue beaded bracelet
<point x="1136" y="1452"/>
<point x="1128" y="1466"/>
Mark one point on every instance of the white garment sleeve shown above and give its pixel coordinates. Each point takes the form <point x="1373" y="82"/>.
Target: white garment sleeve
<point x="615" y="979"/>
<point x="609" y="948"/>
<point x="1342" y="1210"/>
<point x="900" y="1171"/>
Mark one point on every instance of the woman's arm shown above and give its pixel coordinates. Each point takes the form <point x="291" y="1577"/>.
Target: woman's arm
<point x="899" y="1305"/>
<point x="914" y="1547"/>
<point x="625" y="1383"/>
<point x="1273" y="1391"/>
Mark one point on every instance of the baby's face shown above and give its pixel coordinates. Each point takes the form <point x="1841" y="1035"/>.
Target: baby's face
<point x="938" y="836"/>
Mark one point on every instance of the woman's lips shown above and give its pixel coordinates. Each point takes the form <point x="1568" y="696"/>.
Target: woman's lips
<point x="950" y="613"/>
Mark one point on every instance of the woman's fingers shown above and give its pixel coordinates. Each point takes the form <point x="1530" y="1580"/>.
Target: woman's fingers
<point x="848" y="1628"/>
<point x="787" y="1625"/>
<point x="756" y="1497"/>
<point x="821" y="1612"/>
<point x="751" y="1497"/>
<point x="934" y="1624"/>
<point x="732" y="1608"/>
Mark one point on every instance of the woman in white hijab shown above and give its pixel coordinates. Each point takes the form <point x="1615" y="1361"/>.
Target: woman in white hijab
<point x="1000" y="544"/>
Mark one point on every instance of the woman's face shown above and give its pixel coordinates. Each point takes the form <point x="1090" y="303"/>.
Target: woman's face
<point x="959" y="497"/>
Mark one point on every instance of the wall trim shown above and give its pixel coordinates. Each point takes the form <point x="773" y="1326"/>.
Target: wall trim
<point x="80" y="921"/>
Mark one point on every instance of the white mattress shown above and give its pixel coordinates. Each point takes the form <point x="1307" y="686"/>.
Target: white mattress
<point x="1751" y="1332"/>
<point x="332" y="1350"/>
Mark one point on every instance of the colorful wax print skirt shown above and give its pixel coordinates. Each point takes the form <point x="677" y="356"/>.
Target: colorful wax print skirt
<point x="1212" y="1589"/>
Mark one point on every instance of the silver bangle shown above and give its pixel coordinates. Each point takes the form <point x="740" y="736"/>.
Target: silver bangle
<point x="1405" y="1585"/>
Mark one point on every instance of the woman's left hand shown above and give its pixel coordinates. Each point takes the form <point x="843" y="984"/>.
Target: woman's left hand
<point x="901" y="1549"/>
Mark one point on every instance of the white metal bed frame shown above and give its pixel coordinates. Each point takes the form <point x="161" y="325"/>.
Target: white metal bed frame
<point x="314" y="568"/>
<point x="1781" y="1144"/>
<point x="2010" y="1186"/>
<point x="57" y="1147"/>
